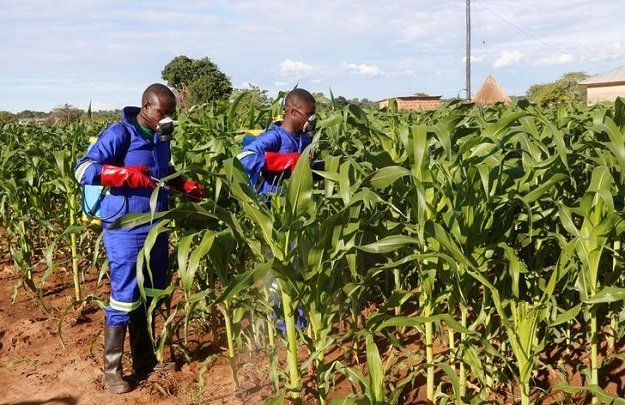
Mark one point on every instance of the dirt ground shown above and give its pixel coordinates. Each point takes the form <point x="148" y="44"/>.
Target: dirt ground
<point x="36" y="368"/>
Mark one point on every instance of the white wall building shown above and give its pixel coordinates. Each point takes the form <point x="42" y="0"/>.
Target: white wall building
<point x="606" y="86"/>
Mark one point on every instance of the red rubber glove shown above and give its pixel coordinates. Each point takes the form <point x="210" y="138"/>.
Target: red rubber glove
<point x="131" y="176"/>
<point x="191" y="188"/>
<point x="278" y="162"/>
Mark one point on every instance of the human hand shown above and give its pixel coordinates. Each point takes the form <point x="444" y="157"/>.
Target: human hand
<point x="278" y="162"/>
<point x="132" y="176"/>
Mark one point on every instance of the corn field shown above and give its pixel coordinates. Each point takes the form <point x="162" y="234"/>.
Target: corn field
<point x="454" y="249"/>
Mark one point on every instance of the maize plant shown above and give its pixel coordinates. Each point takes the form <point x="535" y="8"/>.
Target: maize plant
<point x="490" y="233"/>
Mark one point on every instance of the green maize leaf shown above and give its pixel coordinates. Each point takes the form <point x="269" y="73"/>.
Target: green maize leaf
<point x="389" y="244"/>
<point x="494" y="131"/>
<point x="595" y="390"/>
<point x="299" y="189"/>
<point x="350" y="401"/>
<point x="188" y="276"/>
<point x="620" y="356"/>
<point x="543" y="188"/>
<point x="606" y="295"/>
<point x="440" y="235"/>
<point x="184" y="248"/>
<point x="143" y="258"/>
<point x="199" y="296"/>
<point x="419" y="152"/>
<point x="153" y="202"/>
<point x="515" y="267"/>
<point x="60" y="158"/>
<point x="234" y="105"/>
<point x="453" y="378"/>
<point x="557" y="136"/>
<point x="567" y="316"/>
<point x="376" y="371"/>
<point x="358" y="113"/>
<point x="73" y="230"/>
<point x="387" y="176"/>
<point x="243" y="281"/>
<point x="397" y="299"/>
<point x="617" y="141"/>
<point x="566" y="218"/>
<point x="354" y="375"/>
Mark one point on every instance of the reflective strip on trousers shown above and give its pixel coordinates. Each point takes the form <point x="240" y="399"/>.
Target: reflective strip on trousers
<point x="124" y="306"/>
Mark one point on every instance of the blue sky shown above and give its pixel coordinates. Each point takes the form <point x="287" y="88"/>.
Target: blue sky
<point x="108" y="51"/>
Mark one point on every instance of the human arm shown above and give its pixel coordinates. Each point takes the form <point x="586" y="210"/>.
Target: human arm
<point x="103" y="162"/>
<point x="252" y="156"/>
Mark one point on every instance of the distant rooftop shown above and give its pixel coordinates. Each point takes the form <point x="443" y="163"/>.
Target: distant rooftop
<point x="613" y="76"/>
<point x="413" y="102"/>
<point x="413" y="98"/>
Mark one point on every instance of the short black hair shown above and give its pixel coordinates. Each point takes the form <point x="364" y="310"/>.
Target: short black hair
<point x="297" y="96"/>
<point x="157" y="90"/>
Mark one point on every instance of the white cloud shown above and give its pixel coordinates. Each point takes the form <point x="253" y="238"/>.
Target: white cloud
<point x="398" y="48"/>
<point x="507" y="58"/>
<point x="555" y="59"/>
<point x="365" y="70"/>
<point x="606" y="51"/>
<point x="295" y="68"/>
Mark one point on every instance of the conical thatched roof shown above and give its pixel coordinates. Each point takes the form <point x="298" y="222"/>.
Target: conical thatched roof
<point x="490" y="93"/>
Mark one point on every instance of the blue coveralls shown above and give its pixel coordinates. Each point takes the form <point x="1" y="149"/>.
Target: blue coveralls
<point x="275" y="139"/>
<point x="122" y="145"/>
<point x="252" y="157"/>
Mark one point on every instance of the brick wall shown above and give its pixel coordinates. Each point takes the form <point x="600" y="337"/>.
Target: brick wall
<point x="413" y="103"/>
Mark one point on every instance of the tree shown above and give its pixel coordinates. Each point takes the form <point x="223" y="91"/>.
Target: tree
<point x="565" y="89"/>
<point x="6" y="117"/>
<point x="65" y="114"/>
<point x="196" y="81"/>
<point x="251" y="102"/>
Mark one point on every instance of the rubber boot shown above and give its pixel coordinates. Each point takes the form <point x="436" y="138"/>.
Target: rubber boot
<point x="113" y="350"/>
<point x="143" y="358"/>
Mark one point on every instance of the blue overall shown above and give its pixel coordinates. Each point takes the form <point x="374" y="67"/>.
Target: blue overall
<point x="252" y="157"/>
<point x="122" y="145"/>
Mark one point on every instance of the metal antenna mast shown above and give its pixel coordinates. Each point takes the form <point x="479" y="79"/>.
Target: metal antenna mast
<point x="468" y="56"/>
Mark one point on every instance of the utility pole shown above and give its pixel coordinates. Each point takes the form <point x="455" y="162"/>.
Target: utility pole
<point x="468" y="56"/>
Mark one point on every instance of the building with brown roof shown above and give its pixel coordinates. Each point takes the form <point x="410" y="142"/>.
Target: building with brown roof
<point x="605" y="87"/>
<point x="424" y="103"/>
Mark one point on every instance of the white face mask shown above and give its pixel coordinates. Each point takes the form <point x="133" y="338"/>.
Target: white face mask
<point x="165" y="129"/>
<point x="310" y="124"/>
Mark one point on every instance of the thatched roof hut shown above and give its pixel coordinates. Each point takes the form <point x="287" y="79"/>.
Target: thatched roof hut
<point x="490" y="93"/>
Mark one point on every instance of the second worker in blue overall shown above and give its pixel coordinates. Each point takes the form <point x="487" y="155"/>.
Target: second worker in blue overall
<point x="272" y="156"/>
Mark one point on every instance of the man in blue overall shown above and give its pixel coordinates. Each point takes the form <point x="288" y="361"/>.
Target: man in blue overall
<point x="126" y="158"/>
<point x="272" y="156"/>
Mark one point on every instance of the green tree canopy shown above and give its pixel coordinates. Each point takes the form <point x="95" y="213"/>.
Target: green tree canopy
<point x="565" y="89"/>
<point x="197" y="80"/>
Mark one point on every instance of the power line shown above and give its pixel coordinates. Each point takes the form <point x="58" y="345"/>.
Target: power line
<point x="520" y="29"/>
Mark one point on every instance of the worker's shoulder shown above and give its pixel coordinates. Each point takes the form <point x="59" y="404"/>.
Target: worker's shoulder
<point x="115" y="132"/>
